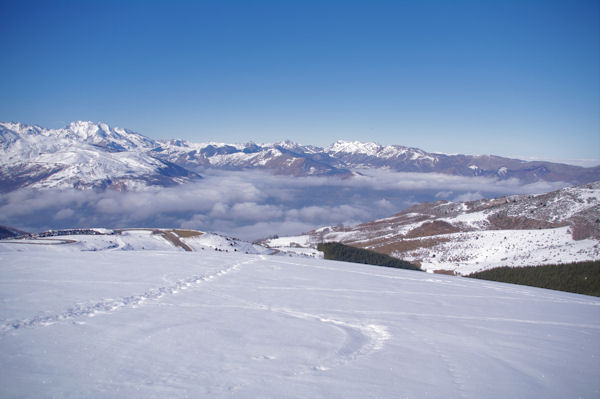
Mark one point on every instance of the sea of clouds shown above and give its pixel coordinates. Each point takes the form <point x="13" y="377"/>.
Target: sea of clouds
<point x="251" y="204"/>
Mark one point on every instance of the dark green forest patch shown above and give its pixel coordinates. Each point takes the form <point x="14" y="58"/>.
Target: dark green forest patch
<point x="345" y="253"/>
<point x="580" y="277"/>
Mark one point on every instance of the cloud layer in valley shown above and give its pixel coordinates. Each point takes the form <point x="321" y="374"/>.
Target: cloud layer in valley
<point x="250" y="204"/>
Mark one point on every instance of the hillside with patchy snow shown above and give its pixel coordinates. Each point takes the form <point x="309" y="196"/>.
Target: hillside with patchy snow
<point x="463" y="237"/>
<point x="132" y="315"/>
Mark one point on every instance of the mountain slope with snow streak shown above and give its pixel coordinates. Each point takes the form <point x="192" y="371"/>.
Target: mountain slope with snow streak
<point x="154" y="323"/>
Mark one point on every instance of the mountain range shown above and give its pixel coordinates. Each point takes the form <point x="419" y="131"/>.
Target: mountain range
<point x="86" y="155"/>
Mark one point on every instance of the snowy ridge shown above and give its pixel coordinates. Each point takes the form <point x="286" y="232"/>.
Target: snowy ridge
<point x="341" y="148"/>
<point x="102" y="135"/>
<point x="354" y="147"/>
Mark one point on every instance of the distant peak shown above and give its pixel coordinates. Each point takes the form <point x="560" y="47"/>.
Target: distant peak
<point x="18" y="126"/>
<point x="287" y="144"/>
<point x="81" y="123"/>
<point x="354" y="147"/>
<point x="87" y="130"/>
<point x="87" y="125"/>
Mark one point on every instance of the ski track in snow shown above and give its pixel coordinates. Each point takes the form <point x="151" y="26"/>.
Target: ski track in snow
<point x="110" y="305"/>
<point x="458" y="375"/>
<point x="360" y="339"/>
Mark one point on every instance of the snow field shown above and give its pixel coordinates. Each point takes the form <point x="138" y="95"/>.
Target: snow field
<point x="150" y="324"/>
<point x="223" y="243"/>
<point x="479" y="250"/>
<point x="301" y="240"/>
<point x="294" y="246"/>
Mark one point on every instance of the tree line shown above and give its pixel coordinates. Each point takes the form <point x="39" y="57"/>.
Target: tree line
<point x="578" y="277"/>
<point x="346" y="253"/>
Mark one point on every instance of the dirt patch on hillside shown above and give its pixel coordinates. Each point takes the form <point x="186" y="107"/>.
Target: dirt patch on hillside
<point x="501" y="221"/>
<point x="174" y="239"/>
<point x="401" y="246"/>
<point x="432" y="229"/>
<point x="447" y="272"/>
<point x="187" y="233"/>
<point x="585" y="225"/>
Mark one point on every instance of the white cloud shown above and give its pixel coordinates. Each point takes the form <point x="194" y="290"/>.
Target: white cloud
<point x="470" y="196"/>
<point x="64" y="214"/>
<point x="253" y="211"/>
<point x="443" y="194"/>
<point x="383" y="203"/>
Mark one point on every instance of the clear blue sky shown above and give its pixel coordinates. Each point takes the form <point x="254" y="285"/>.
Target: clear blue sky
<point x="516" y="78"/>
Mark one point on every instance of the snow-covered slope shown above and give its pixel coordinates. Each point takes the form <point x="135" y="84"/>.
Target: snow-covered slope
<point x="223" y="243"/>
<point x="465" y="253"/>
<point x="558" y="227"/>
<point x="159" y="323"/>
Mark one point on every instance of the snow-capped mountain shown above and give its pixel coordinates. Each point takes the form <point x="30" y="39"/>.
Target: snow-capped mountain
<point x="357" y="154"/>
<point x="282" y="158"/>
<point x="95" y="155"/>
<point x="82" y="155"/>
<point x="557" y="227"/>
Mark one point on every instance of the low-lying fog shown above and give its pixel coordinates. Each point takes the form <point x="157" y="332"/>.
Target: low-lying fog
<point x="251" y="204"/>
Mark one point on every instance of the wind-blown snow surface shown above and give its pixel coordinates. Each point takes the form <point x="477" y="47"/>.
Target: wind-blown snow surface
<point x="155" y="324"/>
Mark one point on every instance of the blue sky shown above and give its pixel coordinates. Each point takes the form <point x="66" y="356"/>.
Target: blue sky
<point x="513" y="78"/>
